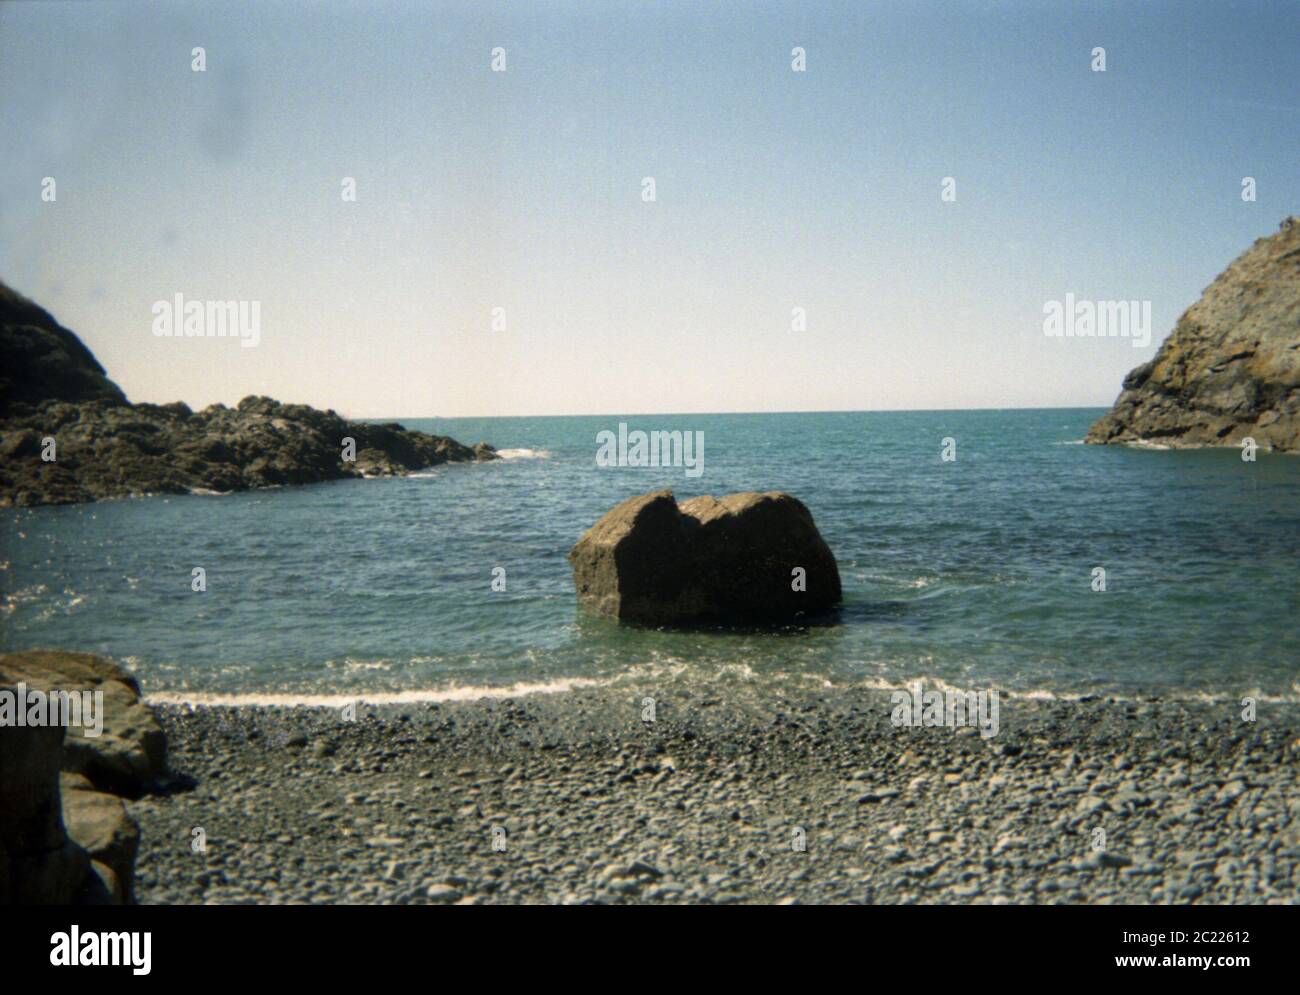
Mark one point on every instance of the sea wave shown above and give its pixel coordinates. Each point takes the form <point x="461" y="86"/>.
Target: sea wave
<point x="665" y="670"/>
<point x="290" y="699"/>
<point x="737" y="671"/>
<point x="1053" y="694"/>
<point x="524" y="453"/>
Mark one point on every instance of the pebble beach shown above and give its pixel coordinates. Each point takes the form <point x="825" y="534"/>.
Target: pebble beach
<point x="729" y="796"/>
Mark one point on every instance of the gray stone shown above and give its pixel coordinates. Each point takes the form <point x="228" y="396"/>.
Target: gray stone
<point x="443" y="893"/>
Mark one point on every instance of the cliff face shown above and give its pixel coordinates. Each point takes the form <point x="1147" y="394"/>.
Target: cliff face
<point x="52" y="388"/>
<point x="1230" y="368"/>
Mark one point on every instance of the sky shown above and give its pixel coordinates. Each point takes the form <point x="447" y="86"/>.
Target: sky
<point x="522" y="190"/>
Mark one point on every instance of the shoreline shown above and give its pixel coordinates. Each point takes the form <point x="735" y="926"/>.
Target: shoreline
<point x="572" y="798"/>
<point x="721" y="681"/>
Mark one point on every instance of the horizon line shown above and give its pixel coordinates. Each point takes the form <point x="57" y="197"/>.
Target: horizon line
<point x="688" y="414"/>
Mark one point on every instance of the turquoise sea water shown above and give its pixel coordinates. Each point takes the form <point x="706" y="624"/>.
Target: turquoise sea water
<point x="977" y="572"/>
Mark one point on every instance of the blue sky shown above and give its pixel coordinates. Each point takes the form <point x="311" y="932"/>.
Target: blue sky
<point x="522" y="190"/>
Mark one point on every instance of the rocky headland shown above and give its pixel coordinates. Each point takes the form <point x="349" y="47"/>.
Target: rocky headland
<point x="103" y="446"/>
<point x="1231" y="367"/>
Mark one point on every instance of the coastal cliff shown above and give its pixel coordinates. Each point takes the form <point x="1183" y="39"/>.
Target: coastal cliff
<point x="1231" y="367"/>
<point x="68" y="433"/>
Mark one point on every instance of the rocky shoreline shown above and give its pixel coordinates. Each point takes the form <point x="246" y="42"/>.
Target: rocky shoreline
<point x="1230" y="370"/>
<point x="68" y="434"/>
<point x="587" y="803"/>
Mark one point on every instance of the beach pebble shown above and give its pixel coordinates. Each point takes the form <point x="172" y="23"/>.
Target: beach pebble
<point x="443" y="893"/>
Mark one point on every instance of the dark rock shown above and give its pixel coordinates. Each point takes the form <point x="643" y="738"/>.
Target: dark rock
<point x="708" y="560"/>
<point x="1231" y="367"/>
<point x="51" y="386"/>
<point x="43" y="361"/>
<point x="61" y="842"/>
<point x="39" y="865"/>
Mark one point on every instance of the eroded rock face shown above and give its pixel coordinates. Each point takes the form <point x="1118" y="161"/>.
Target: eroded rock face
<point x="98" y="823"/>
<point x="65" y="834"/>
<point x="1231" y="367"/>
<point x="52" y="387"/>
<point x="733" y="559"/>
<point x="130" y="753"/>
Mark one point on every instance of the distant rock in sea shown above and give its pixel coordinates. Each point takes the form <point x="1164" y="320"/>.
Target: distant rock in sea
<point x="52" y="387"/>
<point x="1231" y="367"/>
<point x="741" y="558"/>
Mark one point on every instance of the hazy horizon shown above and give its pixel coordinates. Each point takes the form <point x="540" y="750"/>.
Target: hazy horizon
<point x="687" y="414"/>
<point x="523" y="190"/>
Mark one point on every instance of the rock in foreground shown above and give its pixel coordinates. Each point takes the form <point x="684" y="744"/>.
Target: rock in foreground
<point x="65" y="834"/>
<point x="734" y="559"/>
<point x="128" y="756"/>
<point x="1231" y="367"/>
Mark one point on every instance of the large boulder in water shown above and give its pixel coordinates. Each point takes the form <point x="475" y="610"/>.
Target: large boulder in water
<point x="1231" y="368"/>
<point x="733" y="559"/>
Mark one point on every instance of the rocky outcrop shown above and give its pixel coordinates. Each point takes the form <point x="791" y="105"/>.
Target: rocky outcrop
<point x="65" y="834"/>
<point x="129" y="754"/>
<point x="734" y="559"/>
<point x="52" y="388"/>
<point x="1231" y="367"/>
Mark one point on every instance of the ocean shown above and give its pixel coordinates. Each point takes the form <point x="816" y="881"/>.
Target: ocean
<point x="976" y="572"/>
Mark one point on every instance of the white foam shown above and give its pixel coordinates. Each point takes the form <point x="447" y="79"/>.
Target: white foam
<point x="1047" y="694"/>
<point x="524" y="453"/>
<point x="411" y="697"/>
<point x="916" y="583"/>
<point x="1145" y="444"/>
